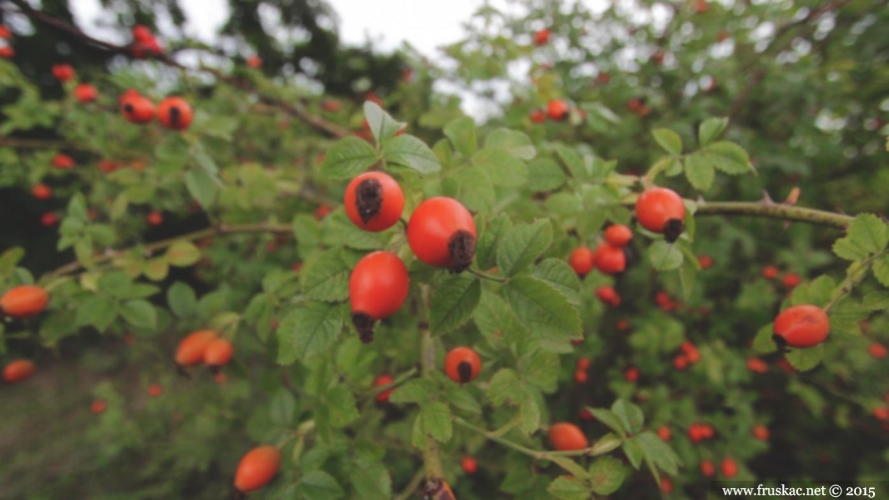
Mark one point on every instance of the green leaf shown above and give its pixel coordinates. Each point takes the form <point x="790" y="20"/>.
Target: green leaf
<point x="201" y="187"/>
<point x="633" y="451"/>
<point x="522" y="244"/>
<point x="529" y="411"/>
<point x="565" y="488"/>
<point x="559" y="274"/>
<point x="541" y="369"/>
<point x="181" y="299"/>
<point x="411" y="152"/>
<point x="338" y="230"/>
<point x="326" y="277"/>
<point x="804" y="360"/>
<point x="307" y="332"/>
<point x="282" y="408"/>
<point x="763" y="343"/>
<point x="156" y="269"/>
<point x="607" y="474"/>
<point x="728" y="157"/>
<point x="544" y="174"/>
<point x="381" y="124"/>
<point x="505" y="385"/>
<point x="818" y="292"/>
<point x="574" y="162"/>
<point x="183" y="253"/>
<point x="138" y="313"/>
<point x="668" y="140"/>
<point x="516" y="143"/>
<point x="9" y="259"/>
<point x="472" y="187"/>
<point x="629" y="415"/>
<point x="608" y="418"/>
<point x="96" y="311"/>
<point x="486" y="248"/>
<point x="699" y="172"/>
<point x="341" y="405"/>
<point x="866" y="235"/>
<point x="606" y="443"/>
<point x="347" y="158"/>
<point x="659" y="453"/>
<point x="688" y="273"/>
<point x="461" y="133"/>
<point x="454" y="302"/>
<point x="501" y="167"/>
<point x="462" y="399"/>
<point x="543" y="309"/>
<point x="664" y="256"/>
<point x="881" y="269"/>
<point x="437" y="421"/>
<point x="417" y="390"/>
<point x="710" y="129"/>
<point x="370" y="479"/>
<point x="319" y="485"/>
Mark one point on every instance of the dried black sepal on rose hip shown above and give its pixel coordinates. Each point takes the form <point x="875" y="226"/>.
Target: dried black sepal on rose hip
<point x="661" y="210"/>
<point x="374" y="201"/>
<point x="441" y="233"/>
<point x="378" y="286"/>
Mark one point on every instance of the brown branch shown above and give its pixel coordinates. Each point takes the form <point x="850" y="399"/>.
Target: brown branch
<point x="13" y="142"/>
<point x="150" y="248"/>
<point x="296" y="109"/>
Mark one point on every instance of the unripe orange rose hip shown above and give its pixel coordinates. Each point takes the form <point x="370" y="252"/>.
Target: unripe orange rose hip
<point x="567" y="437"/>
<point x="801" y="326"/>
<point x="23" y="301"/>
<point x="18" y="370"/>
<point x="257" y="468"/>
<point x="192" y="348"/>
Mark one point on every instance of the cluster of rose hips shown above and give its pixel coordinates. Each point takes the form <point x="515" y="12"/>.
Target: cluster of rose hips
<point x="204" y="347"/>
<point x="173" y="112"/>
<point x="789" y="280"/>
<point x="6" y="50"/>
<point x="144" y="43"/>
<point x="689" y="356"/>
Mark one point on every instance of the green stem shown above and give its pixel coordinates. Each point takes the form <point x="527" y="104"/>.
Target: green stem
<point x="431" y="458"/>
<point x="768" y="209"/>
<point x="260" y="227"/>
<point x="487" y="276"/>
<point x="536" y="454"/>
<point x="853" y="278"/>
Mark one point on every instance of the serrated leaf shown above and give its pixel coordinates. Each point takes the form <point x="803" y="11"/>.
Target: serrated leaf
<point x="454" y="302"/>
<point x="501" y="167"/>
<point x="181" y="299"/>
<point x="728" y="157"/>
<point x="486" y="248"/>
<point x="629" y="415"/>
<point x="183" y="253"/>
<point x="522" y="244"/>
<point x="202" y="187"/>
<point x="371" y="480"/>
<point x="881" y="269"/>
<point x="559" y="274"/>
<point x="608" y="418"/>
<point x="659" y="453"/>
<point x="607" y="474"/>
<point x="156" y="269"/>
<point x="461" y="133"/>
<point x="347" y="158"/>
<point x="544" y="310"/>
<point x="565" y="488"/>
<point x="338" y="230"/>
<point x="505" y="385"/>
<point x="699" y="172"/>
<point x="96" y="311"/>
<point x="516" y="143"/>
<point x="573" y="161"/>
<point x="319" y="485"/>
<point x="472" y="187"/>
<point x="668" y="140"/>
<point x="541" y="369"/>
<point x="381" y="124"/>
<point x="544" y="174"/>
<point x="804" y="360"/>
<point x="413" y="391"/>
<point x="664" y="256"/>
<point x="529" y="411"/>
<point x="437" y="421"/>
<point x="307" y="332"/>
<point x="282" y="408"/>
<point x="139" y="313"/>
<point x="341" y="404"/>
<point x="326" y="277"/>
<point x="869" y="233"/>
<point x="763" y="343"/>
<point x="633" y="451"/>
<point x="409" y="151"/>
<point x="710" y="129"/>
<point x="606" y="443"/>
